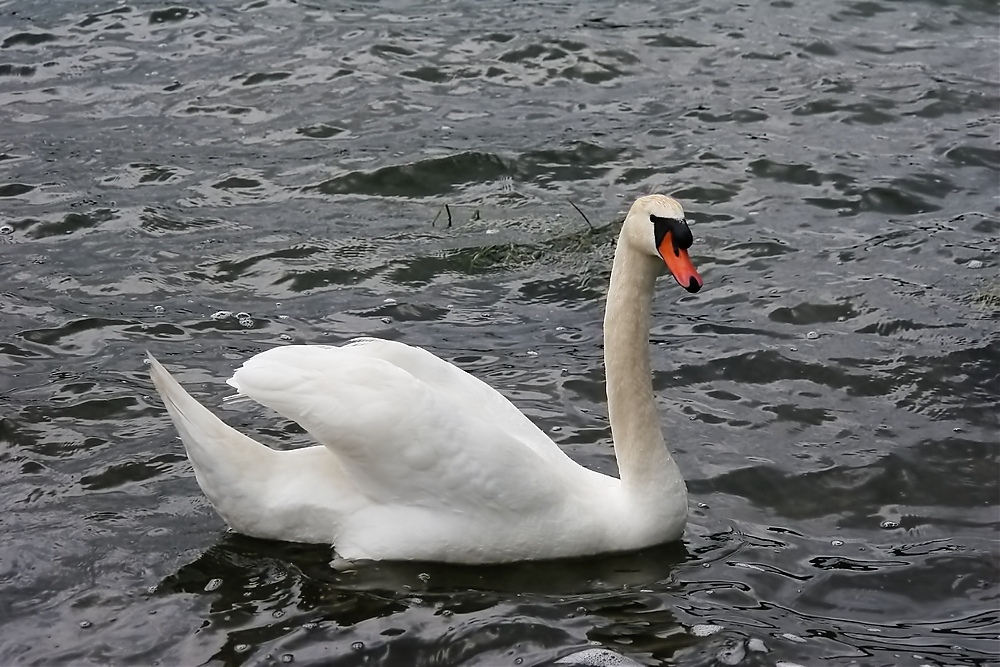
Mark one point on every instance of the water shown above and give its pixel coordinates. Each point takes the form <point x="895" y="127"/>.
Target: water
<point x="832" y="395"/>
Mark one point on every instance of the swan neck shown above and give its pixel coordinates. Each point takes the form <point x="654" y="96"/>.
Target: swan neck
<point x="643" y="458"/>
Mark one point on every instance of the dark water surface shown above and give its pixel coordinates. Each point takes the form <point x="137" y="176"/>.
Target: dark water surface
<point x="832" y="395"/>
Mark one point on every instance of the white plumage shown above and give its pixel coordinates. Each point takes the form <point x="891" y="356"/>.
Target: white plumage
<point x="421" y="461"/>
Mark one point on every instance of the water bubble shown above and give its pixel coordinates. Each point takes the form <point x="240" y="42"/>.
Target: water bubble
<point x="424" y="577"/>
<point x="957" y="429"/>
<point x="246" y="322"/>
<point x="311" y="625"/>
<point x="159" y="309"/>
<point x="357" y="646"/>
<point x="277" y="305"/>
<point x="705" y="629"/>
<point x="812" y="335"/>
<point x="241" y="648"/>
<point x="555" y="429"/>
<point x="222" y="315"/>
<point x="837" y="543"/>
<point x="85" y="624"/>
<point x="974" y="264"/>
<point x="485" y="316"/>
<point x="212" y="585"/>
<point x="889" y="525"/>
<point x="386" y="320"/>
<point x="532" y="353"/>
<point x="518" y="661"/>
<point x="390" y="300"/>
<point x="793" y="349"/>
<point x="703" y="505"/>
<point x="6" y="229"/>
<point x="242" y="315"/>
<point x="287" y="657"/>
<point x="284" y="337"/>
<point x="282" y="317"/>
<point x="277" y="613"/>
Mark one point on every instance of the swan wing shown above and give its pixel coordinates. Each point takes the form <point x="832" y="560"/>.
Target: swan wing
<point x="402" y="426"/>
<point x="464" y="390"/>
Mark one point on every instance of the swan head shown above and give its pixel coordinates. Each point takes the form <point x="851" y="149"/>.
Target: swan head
<point x="655" y="226"/>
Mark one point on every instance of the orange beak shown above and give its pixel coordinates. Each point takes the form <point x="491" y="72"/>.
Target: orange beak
<point x="680" y="265"/>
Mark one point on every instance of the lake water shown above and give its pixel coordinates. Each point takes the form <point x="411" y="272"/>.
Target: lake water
<point x="207" y="180"/>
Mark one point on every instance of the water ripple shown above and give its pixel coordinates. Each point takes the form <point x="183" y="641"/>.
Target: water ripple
<point x="403" y="170"/>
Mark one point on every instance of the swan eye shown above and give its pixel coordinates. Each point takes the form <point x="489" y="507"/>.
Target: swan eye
<point x="680" y="233"/>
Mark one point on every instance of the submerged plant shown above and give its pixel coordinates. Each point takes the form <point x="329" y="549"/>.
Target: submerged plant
<point x="987" y="297"/>
<point x="575" y="246"/>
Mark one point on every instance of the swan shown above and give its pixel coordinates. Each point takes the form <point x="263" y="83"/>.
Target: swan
<point x="421" y="461"/>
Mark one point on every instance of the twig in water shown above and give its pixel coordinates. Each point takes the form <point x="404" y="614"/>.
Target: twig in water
<point x="585" y="218"/>
<point x="447" y="210"/>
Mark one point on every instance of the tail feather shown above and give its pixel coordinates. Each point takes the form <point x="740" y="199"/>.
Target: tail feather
<point x="229" y="466"/>
<point x="300" y="495"/>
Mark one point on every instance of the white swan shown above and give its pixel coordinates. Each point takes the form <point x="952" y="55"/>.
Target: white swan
<point x="421" y="461"/>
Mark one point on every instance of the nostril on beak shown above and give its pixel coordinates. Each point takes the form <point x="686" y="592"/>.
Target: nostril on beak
<point x="693" y="285"/>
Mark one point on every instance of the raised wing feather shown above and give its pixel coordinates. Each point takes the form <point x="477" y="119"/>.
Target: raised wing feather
<point x="463" y="390"/>
<point x="409" y="432"/>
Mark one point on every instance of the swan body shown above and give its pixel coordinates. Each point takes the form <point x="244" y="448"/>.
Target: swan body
<point x="420" y="460"/>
